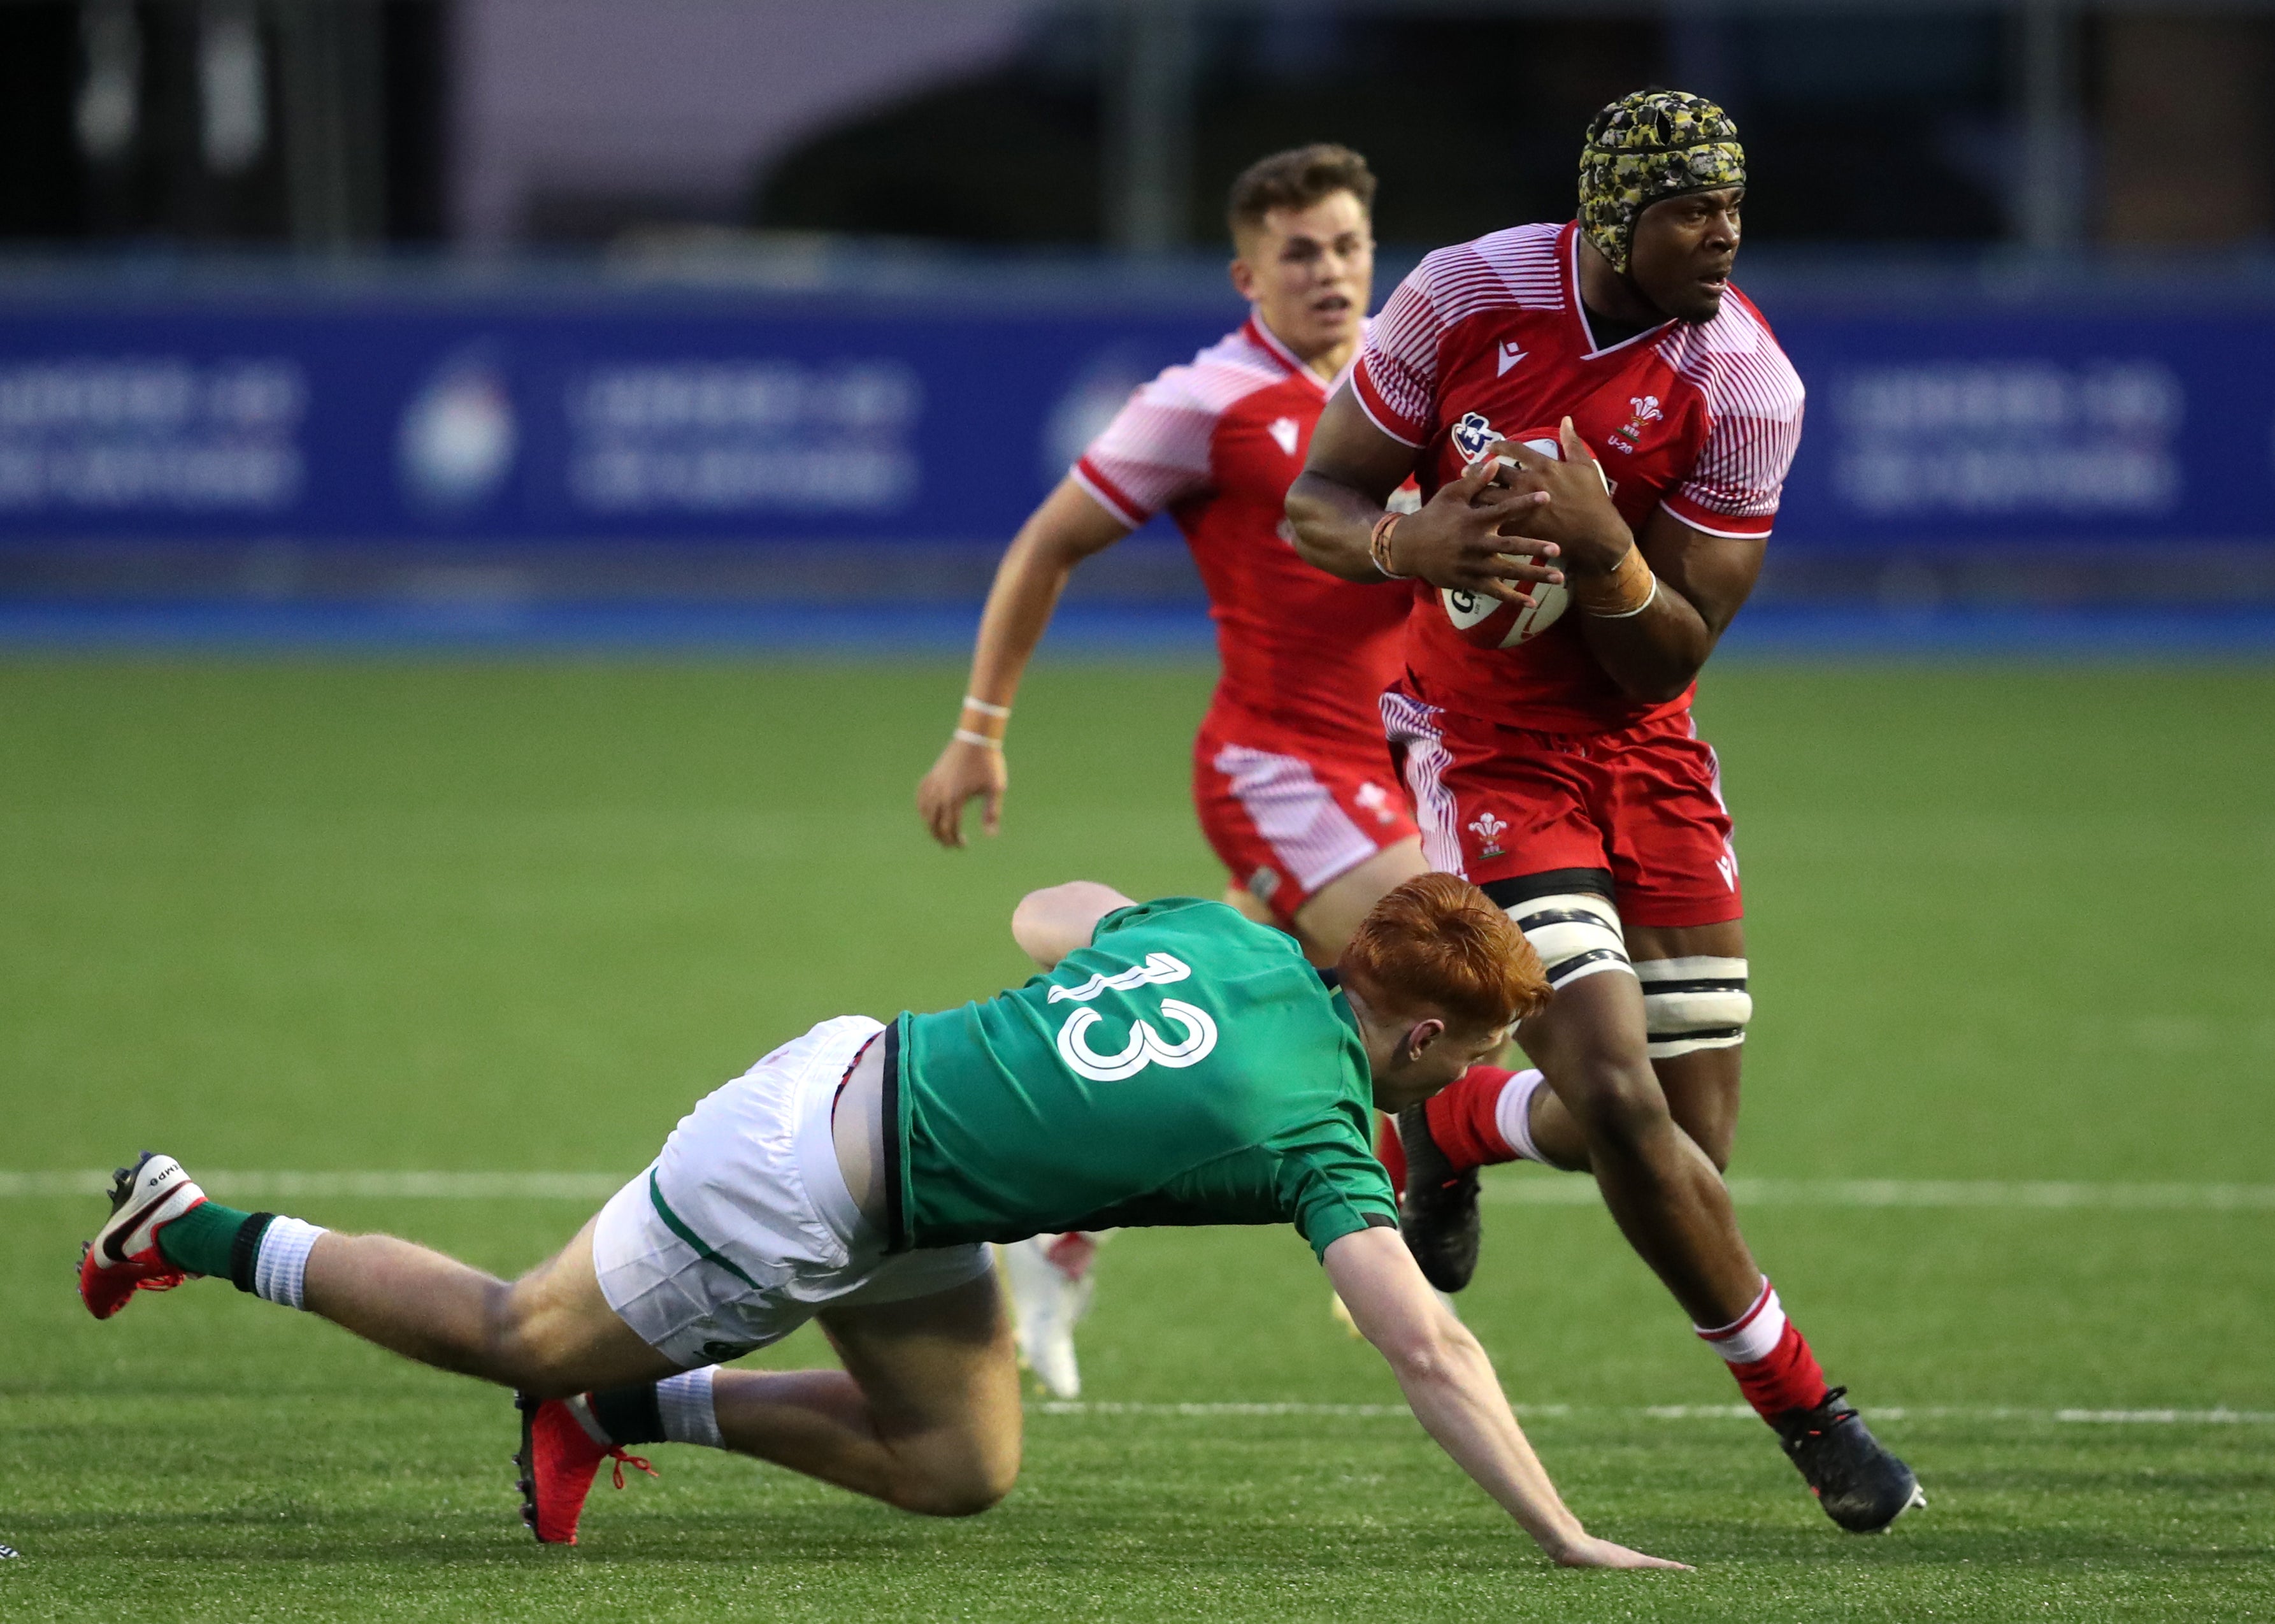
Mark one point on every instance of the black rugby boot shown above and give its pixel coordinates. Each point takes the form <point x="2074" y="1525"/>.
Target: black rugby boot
<point x="1438" y="1214"/>
<point x="1861" y="1486"/>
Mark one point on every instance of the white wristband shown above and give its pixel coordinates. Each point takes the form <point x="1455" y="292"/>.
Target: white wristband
<point x="1000" y="711"/>
<point x="965" y="736"/>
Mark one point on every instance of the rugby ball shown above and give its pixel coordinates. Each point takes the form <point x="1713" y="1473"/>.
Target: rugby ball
<point x="1487" y="621"/>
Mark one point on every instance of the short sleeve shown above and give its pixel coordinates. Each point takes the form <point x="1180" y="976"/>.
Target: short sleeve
<point x="1396" y="377"/>
<point x="1336" y="1189"/>
<point x="1753" y="431"/>
<point x="1155" y="452"/>
<point x="1199" y="910"/>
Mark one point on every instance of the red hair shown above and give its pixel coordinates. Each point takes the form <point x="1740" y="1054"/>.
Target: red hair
<point x="1437" y="942"/>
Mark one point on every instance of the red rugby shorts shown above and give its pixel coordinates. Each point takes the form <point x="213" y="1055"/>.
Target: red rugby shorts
<point x="1643" y="802"/>
<point x="1287" y="816"/>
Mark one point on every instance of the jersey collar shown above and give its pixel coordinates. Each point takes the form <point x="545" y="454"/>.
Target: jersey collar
<point x="1264" y="338"/>
<point x="1569" y="269"/>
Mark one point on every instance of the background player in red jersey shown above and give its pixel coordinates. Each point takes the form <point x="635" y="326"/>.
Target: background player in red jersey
<point x="1563" y="773"/>
<point x="1294" y="788"/>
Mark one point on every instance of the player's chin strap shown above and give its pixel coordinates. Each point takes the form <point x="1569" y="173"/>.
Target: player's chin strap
<point x="1693" y="1003"/>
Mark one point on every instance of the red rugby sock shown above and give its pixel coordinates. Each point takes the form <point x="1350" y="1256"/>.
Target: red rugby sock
<point x="1770" y="1358"/>
<point x="1072" y="1253"/>
<point x="1460" y="1118"/>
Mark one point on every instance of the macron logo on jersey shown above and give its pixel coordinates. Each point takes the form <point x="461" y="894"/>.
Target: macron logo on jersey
<point x="1283" y="432"/>
<point x="1509" y="355"/>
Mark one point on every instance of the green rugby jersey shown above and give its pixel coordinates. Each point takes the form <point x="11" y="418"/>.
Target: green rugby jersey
<point x="1187" y="1066"/>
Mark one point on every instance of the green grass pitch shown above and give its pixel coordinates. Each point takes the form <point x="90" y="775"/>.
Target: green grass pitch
<point x="2008" y="924"/>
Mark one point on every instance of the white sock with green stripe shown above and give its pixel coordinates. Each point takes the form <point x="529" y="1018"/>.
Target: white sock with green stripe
<point x="689" y="1414"/>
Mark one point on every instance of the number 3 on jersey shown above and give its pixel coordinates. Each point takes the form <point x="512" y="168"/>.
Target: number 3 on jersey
<point x="1146" y="1047"/>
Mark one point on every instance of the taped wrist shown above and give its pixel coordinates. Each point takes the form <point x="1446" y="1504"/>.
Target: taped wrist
<point x="1627" y="590"/>
<point x="1378" y="546"/>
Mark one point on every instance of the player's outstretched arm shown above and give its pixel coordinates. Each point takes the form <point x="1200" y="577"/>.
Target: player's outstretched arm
<point x="1068" y="528"/>
<point x="1449" y="1383"/>
<point x="1454" y="541"/>
<point x="1052" y="923"/>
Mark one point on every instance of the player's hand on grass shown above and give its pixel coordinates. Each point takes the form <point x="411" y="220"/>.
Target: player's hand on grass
<point x="1570" y="505"/>
<point x="1464" y="539"/>
<point x="963" y="772"/>
<point x="1590" y="1551"/>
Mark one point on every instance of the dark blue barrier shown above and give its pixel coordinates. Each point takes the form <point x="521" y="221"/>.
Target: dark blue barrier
<point x="542" y="416"/>
<point x="655" y="417"/>
<point x="1999" y="427"/>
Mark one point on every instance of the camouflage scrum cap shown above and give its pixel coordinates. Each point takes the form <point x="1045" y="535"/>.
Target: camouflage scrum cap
<point x="1647" y="146"/>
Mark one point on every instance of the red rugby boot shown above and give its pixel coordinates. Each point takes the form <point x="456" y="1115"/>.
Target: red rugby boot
<point x="124" y="1256"/>
<point x="560" y="1452"/>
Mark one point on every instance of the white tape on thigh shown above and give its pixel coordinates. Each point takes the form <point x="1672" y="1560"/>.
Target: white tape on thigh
<point x="1575" y="935"/>
<point x="1693" y="1003"/>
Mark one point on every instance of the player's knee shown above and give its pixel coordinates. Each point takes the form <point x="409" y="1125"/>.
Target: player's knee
<point x="963" y="1487"/>
<point x="1617" y="1101"/>
<point x="524" y="1346"/>
<point x="1716" y="1139"/>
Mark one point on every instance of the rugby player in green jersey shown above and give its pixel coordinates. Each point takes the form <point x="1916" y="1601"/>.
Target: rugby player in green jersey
<point x="1175" y="1063"/>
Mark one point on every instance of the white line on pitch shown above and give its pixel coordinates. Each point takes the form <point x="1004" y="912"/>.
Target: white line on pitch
<point x="1542" y="1189"/>
<point x="1521" y="1189"/>
<point x="1686" y="1412"/>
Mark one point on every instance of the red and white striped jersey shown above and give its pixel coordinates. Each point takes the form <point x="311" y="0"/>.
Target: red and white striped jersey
<point x="1216" y="443"/>
<point x="1488" y="338"/>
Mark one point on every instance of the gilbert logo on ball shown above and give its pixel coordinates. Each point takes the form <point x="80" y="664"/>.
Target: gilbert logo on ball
<point x="1485" y="621"/>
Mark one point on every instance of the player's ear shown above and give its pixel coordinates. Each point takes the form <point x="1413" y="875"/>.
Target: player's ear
<point x="1243" y="276"/>
<point x="1422" y="1034"/>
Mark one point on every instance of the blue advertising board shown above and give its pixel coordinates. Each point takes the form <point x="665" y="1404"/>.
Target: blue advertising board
<point x="659" y="416"/>
<point x="635" y="419"/>
<point x="1985" y="428"/>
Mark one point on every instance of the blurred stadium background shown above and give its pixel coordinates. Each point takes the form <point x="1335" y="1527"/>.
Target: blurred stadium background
<point x="695" y="322"/>
<point x="367" y="367"/>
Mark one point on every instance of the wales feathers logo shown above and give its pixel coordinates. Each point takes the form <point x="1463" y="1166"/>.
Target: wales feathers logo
<point x="1488" y="830"/>
<point x="1643" y="409"/>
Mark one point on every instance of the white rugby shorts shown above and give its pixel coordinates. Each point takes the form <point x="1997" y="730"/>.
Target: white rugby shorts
<point x="742" y="1229"/>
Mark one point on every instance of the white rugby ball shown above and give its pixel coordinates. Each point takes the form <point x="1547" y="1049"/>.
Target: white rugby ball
<point x="1487" y="621"/>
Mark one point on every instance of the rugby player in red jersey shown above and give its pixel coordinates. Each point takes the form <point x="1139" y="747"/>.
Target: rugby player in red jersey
<point x="1294" y="788"/>
<point x="1601" y="420"/>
